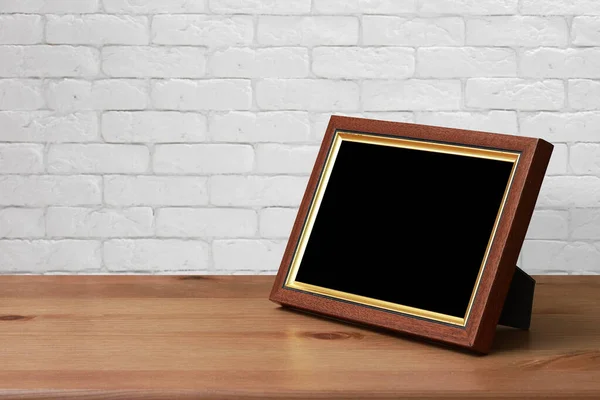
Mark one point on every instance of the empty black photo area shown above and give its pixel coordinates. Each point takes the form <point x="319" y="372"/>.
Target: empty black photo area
<point x="406" y="226"/>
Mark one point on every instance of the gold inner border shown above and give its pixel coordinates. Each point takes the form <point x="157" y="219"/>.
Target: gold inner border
<point x="341" y="136"/>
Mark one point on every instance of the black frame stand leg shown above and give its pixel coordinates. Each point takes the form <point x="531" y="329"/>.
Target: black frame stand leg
<point x="516" y="312"/>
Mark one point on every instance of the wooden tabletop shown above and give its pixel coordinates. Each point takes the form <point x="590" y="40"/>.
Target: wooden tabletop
<point x="176" y="337"/>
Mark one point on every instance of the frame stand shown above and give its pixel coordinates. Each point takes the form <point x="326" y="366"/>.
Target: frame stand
<point x="516" y="311"/>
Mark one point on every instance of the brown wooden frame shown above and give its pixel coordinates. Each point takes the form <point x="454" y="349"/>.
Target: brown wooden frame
<point x="478" y="332"/>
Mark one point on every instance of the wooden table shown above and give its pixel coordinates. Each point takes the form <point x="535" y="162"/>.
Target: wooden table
<point x="176" y="337"/>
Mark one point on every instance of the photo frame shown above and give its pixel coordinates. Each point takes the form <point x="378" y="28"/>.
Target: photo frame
<point x="415" y="229"/>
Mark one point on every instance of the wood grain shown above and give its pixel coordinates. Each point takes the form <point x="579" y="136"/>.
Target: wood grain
<point x="174" y="337"/>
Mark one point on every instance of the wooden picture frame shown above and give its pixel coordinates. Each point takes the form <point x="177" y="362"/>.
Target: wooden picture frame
<point x="479" y="177"/>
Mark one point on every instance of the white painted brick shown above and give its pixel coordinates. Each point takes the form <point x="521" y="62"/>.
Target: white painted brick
<point x="561" y="127"/>
<point x="49" y="6"/>
<point x="247" y="254"/>
<point x="80" y="222"/>
<point x="319" y="121"/>
<point x="585" y="223"/>
<point x="153" y="127"/>
<point x="21" y="158"/>
<point x="210" y="94"/>
<point x="43" y="126"/>
<point x="585" y="159"/>
<point x="413" y="94"/>
<point x="409" y="31"/>
<point x="154" y="6"/>
<point x="276" y="222"/>
<point x="122" y="190"/>
<point x="21" y="94"/>
<point x="43" y="190"/>
<point x="517" y="31"/>
<point x="204" y="30"/>
<point x="206" y="222"/>
<point x="559" y="160"/>
<point x="363" y="62"/>
<point x="570" y="191"/>
<point x="97" y="29"/>
<point x="364" y="6"/>
<point x="466" y="62"/>
<point x="468" y="7"/>
<point x="561" y="63"/>
<point x="306" y="94"/>
<point x="584" y="94"/>
<point x="122" y="94"/>
<point x="160" y="62"/>
<point x="41" y="61"/>
<point x="270" y="126"/>
<point x="514" y="93"/>
<point x="488" y="121"/>
<point x="98" y="158"/>
<point x="560" y="7"/>
<point x="282" y="62"/>
<point x="21" y="29"/>
<point x="558" y="256"/>
<point x="203" y="158"/>
<point x="585" y="31"/>
<point x="231" y="190"/>
<point x="21" y="223"/>
<point x="150" y="255"/>
<point x="285" y="159"/>
<point x="549" y="224"/>
<point x="307" y="31"/>
<point x="39" y="256"/>
<point x="260" y="6"/>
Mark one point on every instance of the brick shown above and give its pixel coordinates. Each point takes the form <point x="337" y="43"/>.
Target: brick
<point x="277" y="222"/>
<point x="21" y="158"/>
<point x="584" y="94"/>
<point x="153" y="127"/>
<point x="514" y="93"/>
<point x="203" y="158"/>
<point x="466" y="62"/>
<point x="585" y="159"/>
<point x="122" y="190"/>
<point x="559" y="256"/>
<point x="231" y="190"/>
<point x="559" y="160"/>
<point x="154" y="6"/>
<point x="496" y="121"/>
<point x="562" y="192"/>
<point x="44" y="126"/>
<point x="210" y="94"/>
<point x="585" y="31"/>
<point x="306" y="94"/>
<point x="80" y="222"/>
<point x="365" y="6"/>
<point x="45" y="190"/>
<point x="561" y="127"/>
<point x="42" y="61"/>
<point x="307" y="31"/>
<point x="283" y="62"/>
<point x="319" y="121"/>
<point x="549" y="224"/>
<point x="98" y="158"/>
<point x="41" y="256"/>
<point x="412" y="94"/>
<point x="21" y="222"/>
<point x="159" y="62"/>
<point x="363" y="62"/>
<point x="97" y="29"/>
<point x="21" y="94"/>
<point x="517" y="31"/>
<point x="560" y="7"/>
<point x="285" y="159"/>
<point x="468" y="7"/>
<point x="270" y="126"/>
<point x="206" y="222"/>
<point x="21" y="29"/>
<point x="585" y="223"/>
<point x="409" y="31"/>
<point x="152" y="255"/>
<point x="203" y="30"/>
<point x="247" y="255"/>
<point x="561" y="63"/>
<point x="49" y="6"/>
<point x="108" y="94"/>
<point x="260" y="6"/>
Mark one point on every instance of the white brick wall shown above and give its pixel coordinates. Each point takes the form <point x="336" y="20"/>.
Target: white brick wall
<point x="178" y="135"/>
